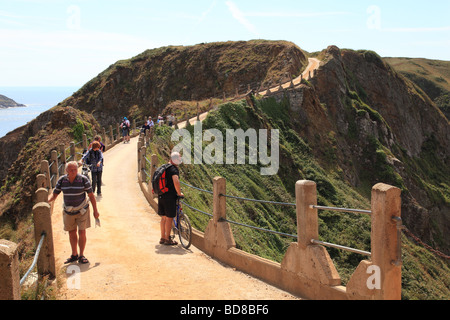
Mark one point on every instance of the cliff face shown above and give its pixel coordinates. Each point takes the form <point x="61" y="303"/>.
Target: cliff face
<point x="384" y="130"/>
<point x="145" y="84"/>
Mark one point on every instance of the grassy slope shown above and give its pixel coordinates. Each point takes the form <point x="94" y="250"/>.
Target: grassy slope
<point x="424" y="275"/>
<point x="432" y="76"/>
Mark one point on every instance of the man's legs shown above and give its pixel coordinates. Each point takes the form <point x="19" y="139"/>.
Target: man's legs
<point x="73" y="238"/>
<point x="166" y="227"/>
<point x="77" y="240"/>
<point x="82" y="241"/>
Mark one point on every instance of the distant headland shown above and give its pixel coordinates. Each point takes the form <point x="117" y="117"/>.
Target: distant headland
<point x="6" y="102"/>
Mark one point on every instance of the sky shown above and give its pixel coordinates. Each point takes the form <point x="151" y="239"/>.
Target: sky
<point x="67" y="43"/>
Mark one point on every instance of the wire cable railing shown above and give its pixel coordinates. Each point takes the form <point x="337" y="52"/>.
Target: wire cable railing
<point x="36" y="257"/>
<point x="314" y="241"/>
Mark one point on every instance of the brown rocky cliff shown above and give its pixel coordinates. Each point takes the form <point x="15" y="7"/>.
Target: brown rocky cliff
<point x="376" y="112"/>
<point x="145" y="84"/>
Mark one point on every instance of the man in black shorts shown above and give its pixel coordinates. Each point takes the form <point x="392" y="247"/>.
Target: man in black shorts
<point x="167" y="202"/>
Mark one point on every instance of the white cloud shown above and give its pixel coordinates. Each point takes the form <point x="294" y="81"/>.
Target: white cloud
<point x="240" y="16"/>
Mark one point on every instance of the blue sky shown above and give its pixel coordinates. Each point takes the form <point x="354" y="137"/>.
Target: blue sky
<point x="67" y="43"/>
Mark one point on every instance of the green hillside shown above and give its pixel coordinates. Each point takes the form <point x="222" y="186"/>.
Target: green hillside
<point x="424" y="275"/>
<point x="432" y="76"/>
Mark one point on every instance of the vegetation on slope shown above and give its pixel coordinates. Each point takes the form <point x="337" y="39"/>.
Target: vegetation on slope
<point x="432" y="76"/>
<point x="424" y="275"/>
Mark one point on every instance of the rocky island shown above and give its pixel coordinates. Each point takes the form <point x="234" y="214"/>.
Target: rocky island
<point x="6" y="102"/>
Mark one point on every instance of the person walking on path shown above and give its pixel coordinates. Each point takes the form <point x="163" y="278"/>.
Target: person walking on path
<point x="94" y="158"/>
<point x="167" y="208"/>
<point x="126" y="130"/>
<point x="99" y="139"/>
<point x="76" y="209"/>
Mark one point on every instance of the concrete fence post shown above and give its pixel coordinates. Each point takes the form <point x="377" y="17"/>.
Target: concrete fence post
<point x="386" y="205"/>
<point x="41" y="181"/>
<point x="218" y="234"/>
<point x="307" y="217"/>
<point x="45" y="169"/>
<point x="118" y="132"/>
<point x="154" y="161"/>
<point x="54" y="169"/>
<point x="143" y="161"/>
<point x="85" y="144"/>
<point x="63" y="159"/>
<point x="72" y="151"/>
<point x="41" y="195"/>
<point x="139" y="146"/>
<point x="380" y="277"/>
<point x="104" y="136"/>
<point x="309" y="262"/>
<point x="43" y="224"/>
<point x="9" y="271"/>
<point x="111" y="135"/>
<point x="219" y="202"/>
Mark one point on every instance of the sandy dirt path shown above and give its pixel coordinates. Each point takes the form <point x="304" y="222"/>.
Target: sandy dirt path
<point x="307" y="74"/>
<point x="126" y="259"/>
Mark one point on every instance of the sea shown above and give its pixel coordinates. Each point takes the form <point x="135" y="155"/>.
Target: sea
<point x="37" y="101"/>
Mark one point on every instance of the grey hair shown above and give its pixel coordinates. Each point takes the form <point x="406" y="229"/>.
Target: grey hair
<point x="71" y="163"/>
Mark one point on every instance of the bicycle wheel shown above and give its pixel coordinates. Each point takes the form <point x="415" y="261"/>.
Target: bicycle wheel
<point x="185" y="231"/>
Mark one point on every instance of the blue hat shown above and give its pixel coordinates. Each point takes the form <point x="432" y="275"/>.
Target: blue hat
<point x="125" y="118"/>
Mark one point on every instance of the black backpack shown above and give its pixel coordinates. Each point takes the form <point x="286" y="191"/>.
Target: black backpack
<point x="159" y="182"/>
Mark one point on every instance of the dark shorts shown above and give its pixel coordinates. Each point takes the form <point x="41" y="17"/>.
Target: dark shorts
<point x="167" y="206"/>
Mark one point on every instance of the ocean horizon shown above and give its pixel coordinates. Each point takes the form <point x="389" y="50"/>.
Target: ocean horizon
<point x="36" y="99"/>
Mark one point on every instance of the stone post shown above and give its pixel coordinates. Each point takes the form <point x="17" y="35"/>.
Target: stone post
<point x="218" y="234"/>
<point x="386" y="205"/>
<point x="111" y="135"/>
<point x="41" y="195"/>
<point x="54" y="169"/>
<point x="43" y="224"/>
<point x="307" y="217"/>
<point x="85" y="144"/>
<point x="41" y="181"/>
<point x="46" y="171"/>
<point x="9" y="271"/>
<point x="63" y="159"/>
<point x="309" y="262"/>
<point x="219" y="202"/>
<point x="104" y="137"/>
<point x="72" y="151"/>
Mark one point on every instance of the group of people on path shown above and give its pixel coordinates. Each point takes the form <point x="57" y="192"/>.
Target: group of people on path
<point x="79" y="195"/>
<point x="149" y="123"/>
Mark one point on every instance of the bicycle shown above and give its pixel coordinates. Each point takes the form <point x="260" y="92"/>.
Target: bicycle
<point x="182" y="226"/>
<point x="85" y="171"/>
